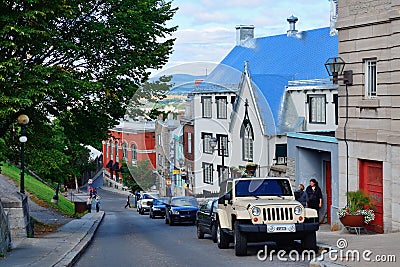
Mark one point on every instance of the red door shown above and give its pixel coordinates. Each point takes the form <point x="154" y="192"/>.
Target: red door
<point x="371" y="181"/>
<point x="328" y="189"/>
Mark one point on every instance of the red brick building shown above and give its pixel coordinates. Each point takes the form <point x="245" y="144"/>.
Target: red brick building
<point x="131" y="141"/>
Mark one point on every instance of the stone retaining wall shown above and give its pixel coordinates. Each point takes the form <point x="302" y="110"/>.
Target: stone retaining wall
<point x="5" y="236"/>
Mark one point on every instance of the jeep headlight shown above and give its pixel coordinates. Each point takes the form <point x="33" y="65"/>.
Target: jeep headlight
<point x="298" y="210"/>
<point x="175" y="212"/>
<point x="256" y="211"/>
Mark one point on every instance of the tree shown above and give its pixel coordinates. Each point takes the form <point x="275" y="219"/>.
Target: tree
<point x="144" y="102"/>
<point x="140" y="177"/>
<point x="78" y="61"/>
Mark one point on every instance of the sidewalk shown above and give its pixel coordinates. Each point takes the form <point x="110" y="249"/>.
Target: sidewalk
<point x="350" y="249"/>
<point x="60" y="248"/>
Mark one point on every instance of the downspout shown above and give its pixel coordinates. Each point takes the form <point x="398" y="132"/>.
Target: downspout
<point x="347" y="145"/>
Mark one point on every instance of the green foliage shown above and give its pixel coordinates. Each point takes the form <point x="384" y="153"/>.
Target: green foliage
<point x="145" y="101"/>
<point x="40" y="190"/>
<point x="72" y="67"/>
<point x="140" y="177"/>
<point x="358" y="200"/>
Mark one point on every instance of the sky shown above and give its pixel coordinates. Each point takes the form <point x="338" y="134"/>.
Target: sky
<point x="206" y="28"/>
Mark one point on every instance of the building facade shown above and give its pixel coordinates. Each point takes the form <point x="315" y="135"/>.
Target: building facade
<point x="369" y="123"/>
<point x="130" y="141"/>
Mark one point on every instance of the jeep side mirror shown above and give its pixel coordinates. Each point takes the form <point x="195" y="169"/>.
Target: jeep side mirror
<point x="224" y="198"/>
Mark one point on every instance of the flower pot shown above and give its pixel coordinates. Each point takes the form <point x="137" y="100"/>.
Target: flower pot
<point x="251" y="167"/>
<point x="353" y="220"/>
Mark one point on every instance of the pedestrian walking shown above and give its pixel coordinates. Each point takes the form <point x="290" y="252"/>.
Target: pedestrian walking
<point x="98" y="202"/>
<point x="128" y="202"/>
<point x="314" y="194"/>
<point x="89" y="203"/>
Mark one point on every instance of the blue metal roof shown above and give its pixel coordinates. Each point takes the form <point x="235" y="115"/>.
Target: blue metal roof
<point x="313" y="137"/>
<point x="275" y="60"/>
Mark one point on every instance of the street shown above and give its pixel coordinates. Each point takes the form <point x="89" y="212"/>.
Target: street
<point x="126" y="238"/>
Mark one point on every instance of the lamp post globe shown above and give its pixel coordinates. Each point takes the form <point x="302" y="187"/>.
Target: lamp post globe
<point x="23" y="120"/>
<point x="213" y="142"/>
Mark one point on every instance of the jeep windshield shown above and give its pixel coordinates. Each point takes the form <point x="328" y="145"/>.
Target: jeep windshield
<point x="262" y="187"/>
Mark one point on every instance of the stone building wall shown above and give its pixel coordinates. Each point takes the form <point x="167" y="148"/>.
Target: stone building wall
<point x="370" y="29"/>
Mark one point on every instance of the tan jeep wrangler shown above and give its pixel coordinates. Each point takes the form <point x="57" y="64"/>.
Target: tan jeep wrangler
<point x="263" y="209"/>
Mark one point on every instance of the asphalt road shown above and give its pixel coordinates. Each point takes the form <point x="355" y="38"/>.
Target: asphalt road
<point x="126" y="238"/>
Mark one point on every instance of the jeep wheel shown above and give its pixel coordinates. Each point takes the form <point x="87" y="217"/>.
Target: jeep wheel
<point x="171" y="222"/>
<point x="309" y="241"/>
<point x="222" y="238"/>
<point x="240" y="240"/>
<point x="200" y="233"/>
<point x="214" y="232"/>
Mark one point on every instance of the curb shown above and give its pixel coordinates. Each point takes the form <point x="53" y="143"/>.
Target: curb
<point x="74" y="254"/>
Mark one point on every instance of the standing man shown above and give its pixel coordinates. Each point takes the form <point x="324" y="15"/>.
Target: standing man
<point x="314" y="194"/>
<point x="89" y="203"/>
<point x="128" y="202"/>
<point x="97" y="201"/>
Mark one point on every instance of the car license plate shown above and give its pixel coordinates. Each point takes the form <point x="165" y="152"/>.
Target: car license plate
<point x="281" y="228"/>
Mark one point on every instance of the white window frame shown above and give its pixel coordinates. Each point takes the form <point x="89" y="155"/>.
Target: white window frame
<point x="189" y="145"/>
<point x="125" y="151"/>
<point x="208" y="173"/>
<point x="107" y="150"/>
<point x="134" y="154"/>
<point x="206" y="104"/>
<point x="223" y="140"/>
<point x="317" y="109"/>
<point x="222" y="107"/>
<point x="370" y="74"/>
<point x="206" y="143"/>
<point x="116" y="152"/>
<point x="248" y="144"/>
<point x="159" y="139"/>
<point x="222" y="176"/>
<point x="111" y="150"/>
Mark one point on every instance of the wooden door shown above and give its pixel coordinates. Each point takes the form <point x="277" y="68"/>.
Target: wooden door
<point x="371" y="181"/>
<point x="328" y="189"/>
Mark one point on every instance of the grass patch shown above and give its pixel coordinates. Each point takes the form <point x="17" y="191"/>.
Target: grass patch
<point x="40" y="191"/>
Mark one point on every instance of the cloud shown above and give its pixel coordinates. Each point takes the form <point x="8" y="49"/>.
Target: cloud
<point x="207" y="27"/>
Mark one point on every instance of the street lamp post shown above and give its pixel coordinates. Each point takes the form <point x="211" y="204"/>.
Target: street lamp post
<point x="213" y="144"/>
<point x="23" y="120"/>
<point x="335" y="66"/>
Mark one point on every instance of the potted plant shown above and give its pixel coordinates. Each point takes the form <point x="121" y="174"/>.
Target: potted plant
<point x="251" y="168"/>
<point x="359" y="210"/>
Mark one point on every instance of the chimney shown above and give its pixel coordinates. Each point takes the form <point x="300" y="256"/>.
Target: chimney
<point x="243" y="33"/>
<point x="292" y="32"/>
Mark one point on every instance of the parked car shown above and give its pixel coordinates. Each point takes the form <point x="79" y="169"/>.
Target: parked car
<point x="157" y="208"/>
<point x="181" y="209"/>
<point x="145" y="201"/>
<point x="206" y="219"/>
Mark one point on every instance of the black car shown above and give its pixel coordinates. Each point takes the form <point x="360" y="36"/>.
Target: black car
<point x="181" y="209"/>
<point x="206" y="220"/>
<point x="157" y="208"/>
